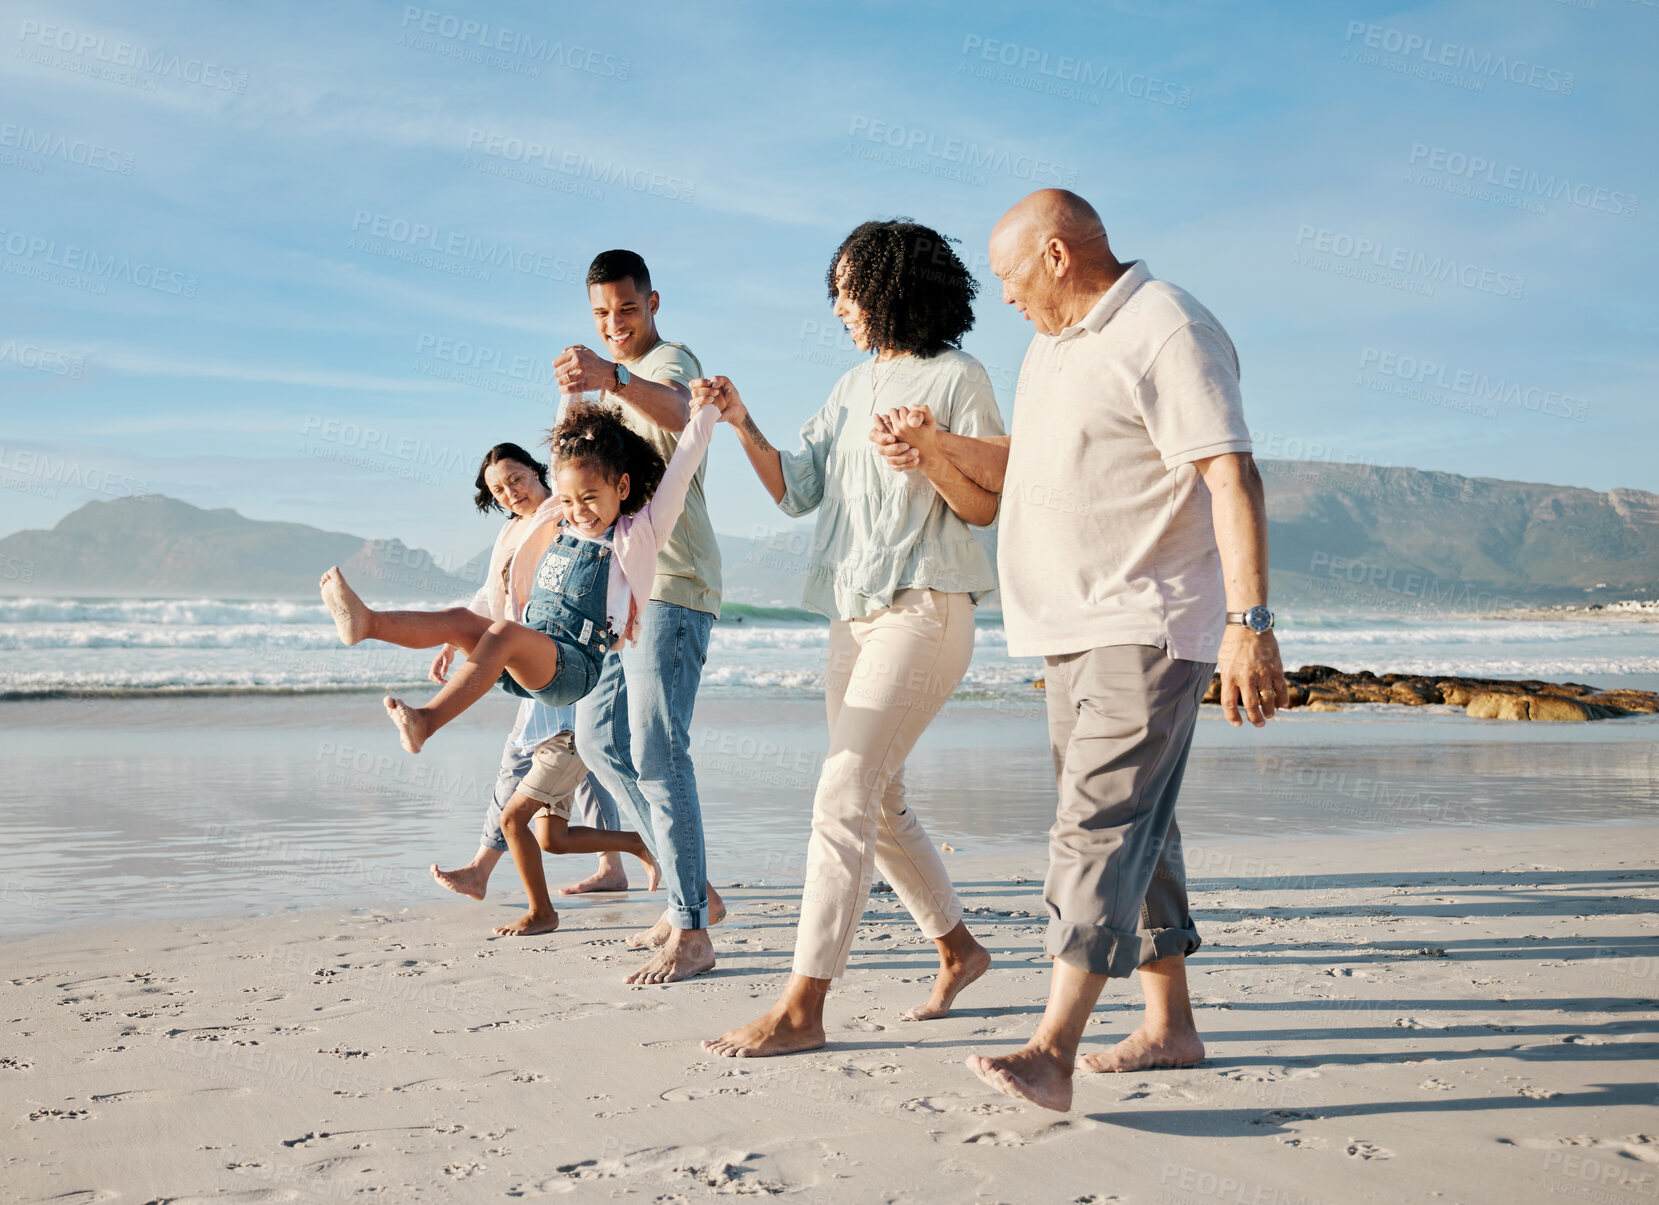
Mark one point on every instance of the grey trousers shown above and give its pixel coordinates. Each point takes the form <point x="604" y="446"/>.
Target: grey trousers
<point x="1120" y="722"/>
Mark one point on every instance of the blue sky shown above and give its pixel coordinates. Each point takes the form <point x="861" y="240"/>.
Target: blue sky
<point x="302" y="261"/>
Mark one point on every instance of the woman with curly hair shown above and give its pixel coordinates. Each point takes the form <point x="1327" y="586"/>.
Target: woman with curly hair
<point x="897" y="570"/>
<point x="620" y="505"/>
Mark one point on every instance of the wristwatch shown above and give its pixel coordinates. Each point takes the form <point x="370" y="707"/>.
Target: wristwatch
<point x="1257" y="619"/>
<point x="623" y="376"/>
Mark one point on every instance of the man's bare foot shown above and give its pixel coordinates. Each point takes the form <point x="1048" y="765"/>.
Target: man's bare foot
<point x="687" y="952"/>
<point x="606" y="878"/>
<point x="351" y="615"/>
<point x="660" y="932"/>
<point x="774" y="1032"/>
<point x="411" y="724"/>
<point x="529" y="925"/>
<point x="1147" y="1049"/>
<point x="954" y="975"/>
<point x="469" y="880"/>
<point x="1027" y="1074"/>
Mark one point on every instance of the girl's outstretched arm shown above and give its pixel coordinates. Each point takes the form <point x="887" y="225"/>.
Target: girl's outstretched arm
<point x="668" y="501"/>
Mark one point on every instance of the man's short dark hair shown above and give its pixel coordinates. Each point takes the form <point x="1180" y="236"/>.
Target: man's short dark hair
<point x="611" y="266"/>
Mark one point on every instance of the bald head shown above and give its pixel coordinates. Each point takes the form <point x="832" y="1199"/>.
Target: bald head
<point x="1052" y="256"/>
<point x="1053" y="213"/>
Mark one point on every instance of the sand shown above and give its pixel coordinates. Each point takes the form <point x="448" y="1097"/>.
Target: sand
<point x="1466" y="1016"/>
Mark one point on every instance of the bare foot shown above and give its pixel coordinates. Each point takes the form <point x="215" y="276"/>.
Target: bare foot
<point x="688" y="952"/>
<point x="351" y="615"/>
<point x="1027" y="1074"/>
<point x="953" y="977"/>
<point x="653" y="878"/>
<point x="529" y="924"/>
<point x="1147" y="1049"/>
<point x="774" y="1032"/>
<point x="660" y="932"/>
<point x="469" y="880"/>
<point x="603" y="879"/>
<point x="411" y="724"/>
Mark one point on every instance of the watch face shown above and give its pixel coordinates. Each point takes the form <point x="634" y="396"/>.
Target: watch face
<point x="1258" y="619"/>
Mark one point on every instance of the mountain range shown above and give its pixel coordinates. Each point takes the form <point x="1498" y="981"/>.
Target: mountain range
<point x="1339" y="535"/>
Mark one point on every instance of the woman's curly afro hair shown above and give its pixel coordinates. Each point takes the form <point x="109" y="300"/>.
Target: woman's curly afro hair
<point x="596" y="434"/>
<point x="915" y="293"/>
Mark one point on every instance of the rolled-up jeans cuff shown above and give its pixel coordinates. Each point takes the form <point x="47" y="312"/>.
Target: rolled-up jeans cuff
<point x="1099" y="950"/>
<point x="688" y="918"/>
<point x="497" y="843"/>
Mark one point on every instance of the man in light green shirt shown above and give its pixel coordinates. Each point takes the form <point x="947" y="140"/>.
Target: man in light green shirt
<point x="633" y="731"/>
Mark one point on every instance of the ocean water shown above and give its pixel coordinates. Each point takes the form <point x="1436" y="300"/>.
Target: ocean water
<point x="171" y="757"/>
<point x="85" y="646"/>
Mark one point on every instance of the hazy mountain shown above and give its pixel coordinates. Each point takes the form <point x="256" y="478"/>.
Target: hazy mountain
<point x="155" y="546"/>
<point x="1340" y="535"/>
<point x="1396" y="537"/>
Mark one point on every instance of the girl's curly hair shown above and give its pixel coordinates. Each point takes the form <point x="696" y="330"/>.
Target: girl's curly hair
<point x="485" y="500"/>
<point x="915" y="293"/>
<point x="596" y="434"/>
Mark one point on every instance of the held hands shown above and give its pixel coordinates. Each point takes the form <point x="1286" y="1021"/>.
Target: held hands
<point x="906" y="436"/>
<point x="579" y="369"/>
<point x="1251" y="676"/>
<point x="720" y="393"/>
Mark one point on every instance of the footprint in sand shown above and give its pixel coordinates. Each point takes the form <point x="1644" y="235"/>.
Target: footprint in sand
<point x="1014" y="1138"/>
<point x="59" y="1115"/>
<point x="1359" y="1149"/>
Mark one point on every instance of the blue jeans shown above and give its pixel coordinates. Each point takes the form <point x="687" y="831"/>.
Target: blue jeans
<point x="640" y="716"/>
<point x="593" y="805"/>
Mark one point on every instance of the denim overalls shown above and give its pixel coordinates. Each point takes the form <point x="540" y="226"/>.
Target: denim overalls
<point x="568" y="603"/>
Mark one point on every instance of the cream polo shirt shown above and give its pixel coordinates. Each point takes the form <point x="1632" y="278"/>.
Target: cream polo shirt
<point x="1106" y="529"/>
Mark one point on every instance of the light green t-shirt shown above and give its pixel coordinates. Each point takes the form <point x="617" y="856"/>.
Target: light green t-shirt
<point x="880" y="531"/>
<point x="688" y="566"/>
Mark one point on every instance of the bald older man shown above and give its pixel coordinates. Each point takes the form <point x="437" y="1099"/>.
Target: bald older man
<point x="1132" y="557"/>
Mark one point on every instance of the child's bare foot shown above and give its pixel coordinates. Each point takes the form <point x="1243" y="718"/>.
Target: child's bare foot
<point x="606" y="878"/>
<point x="469" y="881"/>
<point x="411" y="724"/>
<point x="528" y="925"/>
<point x="953" y="977"/>
<point x="351" y="614"/>
<point x="660" y="932"/>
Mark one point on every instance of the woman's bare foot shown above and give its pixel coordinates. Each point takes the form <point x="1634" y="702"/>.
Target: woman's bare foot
<point x="1027" y="1074"/>
<point x="411" y="724"/>
<point x="470" y="881"/>
<point x="529" y="925"/>
<point x="778" y="1031"/>
<point x="351" y="614"/>
<point x="954" y="975"/>
<point x="1147" y="1049"/>
<point x="660" y="932"/>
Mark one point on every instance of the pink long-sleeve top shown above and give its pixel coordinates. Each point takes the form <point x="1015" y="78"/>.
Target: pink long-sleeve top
<point x="637" y="538"/>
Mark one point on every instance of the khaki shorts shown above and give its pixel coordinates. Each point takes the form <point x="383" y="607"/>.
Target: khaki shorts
<point x="555" y="773"/>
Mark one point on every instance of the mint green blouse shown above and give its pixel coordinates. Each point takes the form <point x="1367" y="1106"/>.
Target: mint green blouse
<point x="880" y="531"/>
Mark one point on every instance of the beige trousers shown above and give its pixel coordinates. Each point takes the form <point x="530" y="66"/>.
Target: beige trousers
<point x="889" y="674"/>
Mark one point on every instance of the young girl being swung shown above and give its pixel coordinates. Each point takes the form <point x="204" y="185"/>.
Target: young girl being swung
<point x="620" y="504"/>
